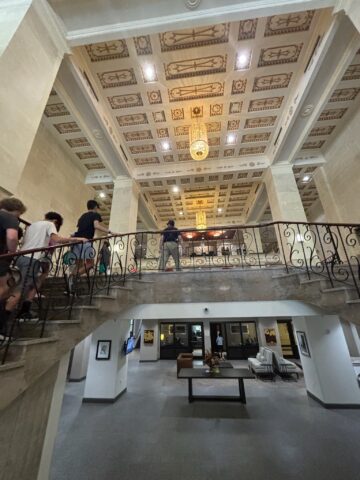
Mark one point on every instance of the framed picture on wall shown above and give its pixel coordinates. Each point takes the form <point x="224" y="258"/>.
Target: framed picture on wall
<point x="270" y="336"/>
<point x="148" y="337"/>
<point x="303" y="344"/>
<point x="103" y="350"/>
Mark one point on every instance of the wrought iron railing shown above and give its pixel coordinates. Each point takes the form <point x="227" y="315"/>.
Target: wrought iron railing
<point x="329" y="250"/>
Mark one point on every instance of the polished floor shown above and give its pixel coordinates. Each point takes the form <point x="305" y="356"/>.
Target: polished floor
<point x="152" y="432"/>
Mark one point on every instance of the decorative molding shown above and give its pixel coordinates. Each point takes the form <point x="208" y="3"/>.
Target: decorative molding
<point x="192" y="4"/>
<point x="117" y="78"/>
<point x="194" y="37"/>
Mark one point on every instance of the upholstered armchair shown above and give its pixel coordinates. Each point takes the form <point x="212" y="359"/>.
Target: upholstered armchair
<point x="184" y="360"/>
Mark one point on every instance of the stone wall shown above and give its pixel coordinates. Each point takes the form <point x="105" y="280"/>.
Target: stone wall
<point x="51" y="181"/>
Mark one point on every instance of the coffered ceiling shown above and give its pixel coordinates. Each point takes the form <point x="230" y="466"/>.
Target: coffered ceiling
<point x="239" y="75"/>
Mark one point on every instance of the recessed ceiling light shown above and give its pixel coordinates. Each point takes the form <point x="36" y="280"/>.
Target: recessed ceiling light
<point x="165" y="145"/>
<point x="175" y="189"/>
<point x="181" y="213"/>
<point x="219" y="210"/>
<point x="243" y="60"/>
<point x="102" y="194"/>
<point x="149" y="73"/>
<point x="306" y="178"/>
<point x="231" y="139"/>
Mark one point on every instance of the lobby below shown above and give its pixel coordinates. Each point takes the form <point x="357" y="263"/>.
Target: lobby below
<point x="152" y="430"/>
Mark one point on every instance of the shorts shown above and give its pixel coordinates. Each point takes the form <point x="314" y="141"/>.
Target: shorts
<point x="84" y="251"/>
<point x="29" y="268"/>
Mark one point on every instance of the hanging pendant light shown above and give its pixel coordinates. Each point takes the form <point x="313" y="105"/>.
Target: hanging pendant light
<point x="200" y="220"/>
<point x="198" y="139"/>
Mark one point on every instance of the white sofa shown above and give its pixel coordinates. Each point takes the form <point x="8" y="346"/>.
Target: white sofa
<point x="284" y="367"/>
<point x="263" y="363"/>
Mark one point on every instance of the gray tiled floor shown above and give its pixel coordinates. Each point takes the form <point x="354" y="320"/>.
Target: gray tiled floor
<point x="153" y="433"/>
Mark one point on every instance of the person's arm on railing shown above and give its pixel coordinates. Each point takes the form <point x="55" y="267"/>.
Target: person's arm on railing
<point x="11" y="240"/>
<point x="55" y="238"/>
<point x="102" y="228"/>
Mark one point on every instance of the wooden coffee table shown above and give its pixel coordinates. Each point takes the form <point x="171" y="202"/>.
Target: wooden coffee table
<point x="238" y="374"/>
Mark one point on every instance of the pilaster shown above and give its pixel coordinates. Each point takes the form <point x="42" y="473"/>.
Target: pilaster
<point x="35" y="46"/>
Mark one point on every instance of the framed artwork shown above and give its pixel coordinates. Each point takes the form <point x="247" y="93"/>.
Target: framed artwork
<point x="270" y="336"/>
<point x="103" y="350"/>
<point x="303" y="344"/>
<point x="148" y="337"/>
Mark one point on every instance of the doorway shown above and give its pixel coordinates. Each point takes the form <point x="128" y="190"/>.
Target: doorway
<point x="178" y="337"/>
<point x="287" y="339"/>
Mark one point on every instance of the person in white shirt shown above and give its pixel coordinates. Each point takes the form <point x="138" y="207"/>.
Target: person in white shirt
<point x="34" y="267"/>
<point x="219" y="344"/>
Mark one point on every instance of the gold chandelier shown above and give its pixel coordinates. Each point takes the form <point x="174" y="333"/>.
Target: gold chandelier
<point x="200" y="220"/>
<point x="198" y="139"/>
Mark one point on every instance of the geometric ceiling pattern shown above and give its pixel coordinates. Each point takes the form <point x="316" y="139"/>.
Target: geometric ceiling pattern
<point x="220" y="196"/>
<point x="344" y="95"/>
<point x="239" y="75"/>
<point x="59" y="119"/>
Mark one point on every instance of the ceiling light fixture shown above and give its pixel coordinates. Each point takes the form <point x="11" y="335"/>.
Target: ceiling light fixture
<point x="181" y="213"/>
<point x="219" y="210"/>
<point x="306" y="178"/>
<point x="243" y="60"/>
<point x="231" y="139"/>
<point x="149" y="73"/>
<point x="165" y="145"/>
<point x="102" y="194"/>
<point x="198" y="139"/>
<point x="200" y="220"/>
<point x="175" y="189"/>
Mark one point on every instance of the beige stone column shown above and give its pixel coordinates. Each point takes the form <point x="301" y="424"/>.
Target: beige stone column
<point x="352" y="10"/>
<point x="123" y="219"/>
<point x="286" y="206"/>
<point x="32" y="47"/>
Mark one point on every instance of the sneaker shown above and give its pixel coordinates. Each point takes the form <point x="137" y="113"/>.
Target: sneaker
<point x="5" y="338"/>
<point x="27" y="317"/>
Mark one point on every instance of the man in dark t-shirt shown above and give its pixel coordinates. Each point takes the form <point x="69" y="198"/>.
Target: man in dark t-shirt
<point x="10" y="211"/>
<point x="169" y="245"/>
<point x="88" y="223"/>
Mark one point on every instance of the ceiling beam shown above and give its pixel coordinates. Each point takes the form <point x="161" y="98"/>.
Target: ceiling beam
<point x="145" y="17"/>
<point x="338" y="50"/>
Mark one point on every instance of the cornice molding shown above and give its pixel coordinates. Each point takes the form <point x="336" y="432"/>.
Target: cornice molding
<point x="53" y="25"/>
<point x="235" y="164"/>
<point x="238" y="11"/>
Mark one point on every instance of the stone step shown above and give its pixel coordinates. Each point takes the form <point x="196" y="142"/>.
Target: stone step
<point x="11" y="365"/>
<point x="121" y="287"/>
<point x="357" y="300"/>
<point x="78" y="307"/>
<point x="63" y="322"/>
<point x="312" y="280"/>
<point x="337" y="289"/>
<point x="24" y="342"/>
<point x="104" y="297"/>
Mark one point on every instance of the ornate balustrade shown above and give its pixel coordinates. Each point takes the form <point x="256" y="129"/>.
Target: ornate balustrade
<point x="329" y="250"/>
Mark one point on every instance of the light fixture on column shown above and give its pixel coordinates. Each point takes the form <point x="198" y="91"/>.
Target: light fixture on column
<point x="198" y="139"/>
<point x="200" y="220"/>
